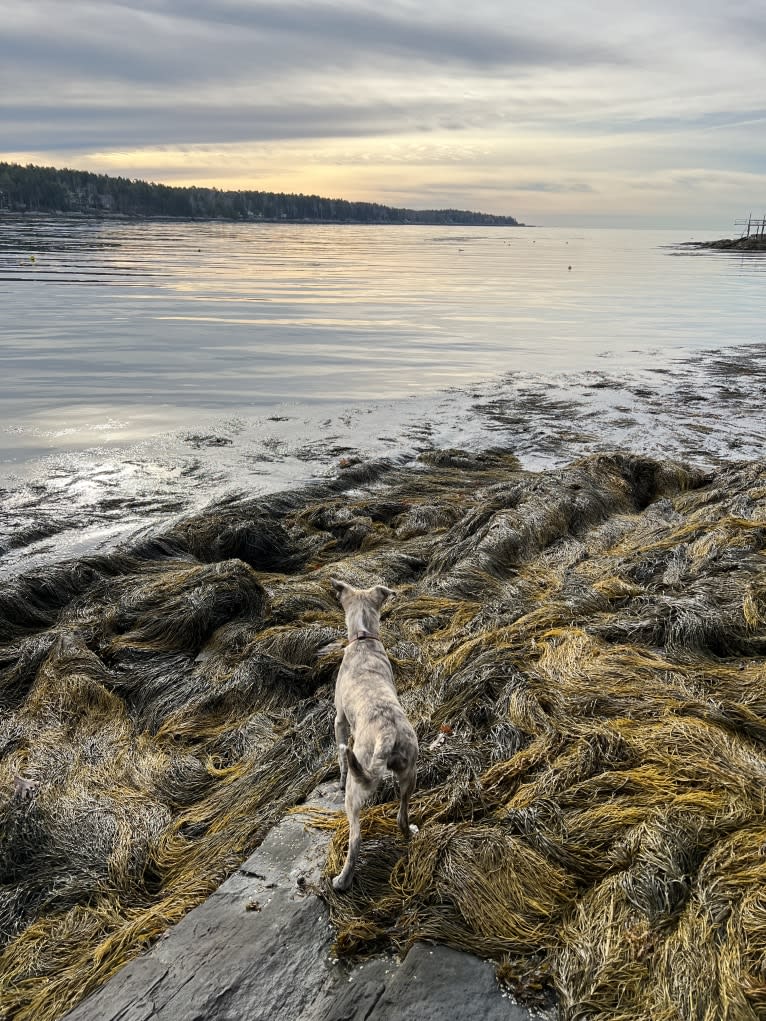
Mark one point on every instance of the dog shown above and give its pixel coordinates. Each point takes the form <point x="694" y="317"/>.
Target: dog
<point x="367" y="709"/>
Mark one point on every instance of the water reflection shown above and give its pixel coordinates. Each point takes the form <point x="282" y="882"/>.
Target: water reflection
<point x="166" y="324"/>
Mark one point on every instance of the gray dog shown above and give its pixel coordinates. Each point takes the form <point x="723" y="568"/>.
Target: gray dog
<point x="367" y="708"/>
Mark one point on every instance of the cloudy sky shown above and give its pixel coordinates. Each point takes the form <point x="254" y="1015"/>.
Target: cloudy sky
<point x="558" y="113"/>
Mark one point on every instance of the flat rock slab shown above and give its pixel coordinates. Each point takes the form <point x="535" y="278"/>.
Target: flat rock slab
<point x="260" y="948"/>
<point x="433" y="983"/>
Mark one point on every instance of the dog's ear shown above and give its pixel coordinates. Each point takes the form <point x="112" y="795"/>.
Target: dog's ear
<point x="339" y="587"/>
<point x="380" y="594"/>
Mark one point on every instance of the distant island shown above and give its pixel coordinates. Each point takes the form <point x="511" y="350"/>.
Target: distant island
<point x="33" y="189"/>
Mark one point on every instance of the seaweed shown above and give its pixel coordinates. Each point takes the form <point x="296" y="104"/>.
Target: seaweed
<point x="582" y="654"/>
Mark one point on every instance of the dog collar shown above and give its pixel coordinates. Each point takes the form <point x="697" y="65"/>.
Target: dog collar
<point x="361" y="636"/>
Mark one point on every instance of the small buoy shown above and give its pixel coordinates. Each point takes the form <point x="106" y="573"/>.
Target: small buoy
<point x="31" y="258"/>
<point x="569" y="267"/>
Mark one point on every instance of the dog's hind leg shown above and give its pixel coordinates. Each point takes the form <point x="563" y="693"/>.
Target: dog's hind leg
<point x="342" y="731"/>
<point x="355" y="798"/>
<point x="406" y="780"/>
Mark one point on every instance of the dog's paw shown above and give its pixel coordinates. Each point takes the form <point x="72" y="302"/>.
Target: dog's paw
<point x="340" y="884"/>
<point x="414" y="829"/>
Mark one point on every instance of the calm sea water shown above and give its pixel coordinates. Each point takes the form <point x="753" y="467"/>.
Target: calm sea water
<point x="134" y="352"/>
<point x="117" y="330"/>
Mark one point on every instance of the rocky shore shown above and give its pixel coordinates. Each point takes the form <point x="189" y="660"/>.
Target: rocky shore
<point x="582" y="653"/>
<point x="753" y="243"/>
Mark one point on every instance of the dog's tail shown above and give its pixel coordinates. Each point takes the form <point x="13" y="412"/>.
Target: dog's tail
<point x="395" y="761"/>
<point x="360" y="774"/>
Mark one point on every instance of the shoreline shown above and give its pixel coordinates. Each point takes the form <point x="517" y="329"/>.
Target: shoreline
<point x="149" y="218"/>
<point x="754" y="243"/>
<point x="682" y="407"/>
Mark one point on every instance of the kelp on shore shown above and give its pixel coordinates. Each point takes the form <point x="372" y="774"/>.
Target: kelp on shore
<point x="581" y="652"/>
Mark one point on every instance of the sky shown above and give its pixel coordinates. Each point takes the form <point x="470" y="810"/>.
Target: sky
<point x="557" y="113"/>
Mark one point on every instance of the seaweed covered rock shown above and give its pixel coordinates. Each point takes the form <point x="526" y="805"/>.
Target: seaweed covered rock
<point x="581" y="651"/>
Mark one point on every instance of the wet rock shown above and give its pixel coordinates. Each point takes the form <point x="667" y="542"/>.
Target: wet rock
<point x="228" y="961"/>
<point x="198" y="441"/>
<point x="437" y="983"/>
<point x="752" y="243"/>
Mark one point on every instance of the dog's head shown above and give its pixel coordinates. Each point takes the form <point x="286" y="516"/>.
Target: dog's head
<point x="349" y="596"/>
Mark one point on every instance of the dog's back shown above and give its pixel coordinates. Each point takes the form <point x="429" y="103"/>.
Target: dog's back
<point x="365" y="693"/>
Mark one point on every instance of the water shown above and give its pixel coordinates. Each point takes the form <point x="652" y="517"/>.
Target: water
<point x="148" y="368"/>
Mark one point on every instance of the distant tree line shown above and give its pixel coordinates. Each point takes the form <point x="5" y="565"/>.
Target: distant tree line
<point x="48" y="190"/>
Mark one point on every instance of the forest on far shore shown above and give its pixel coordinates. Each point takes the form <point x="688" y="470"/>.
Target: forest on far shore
<point x="33" y="189"/>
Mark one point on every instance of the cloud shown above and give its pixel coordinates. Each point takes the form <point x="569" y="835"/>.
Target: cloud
<point x="560" y="187"/>
<point x="83" y="126"/>
<point x="561" y="106"/>
<point x="358" y="31"/>
<point x="180" y="43"/>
